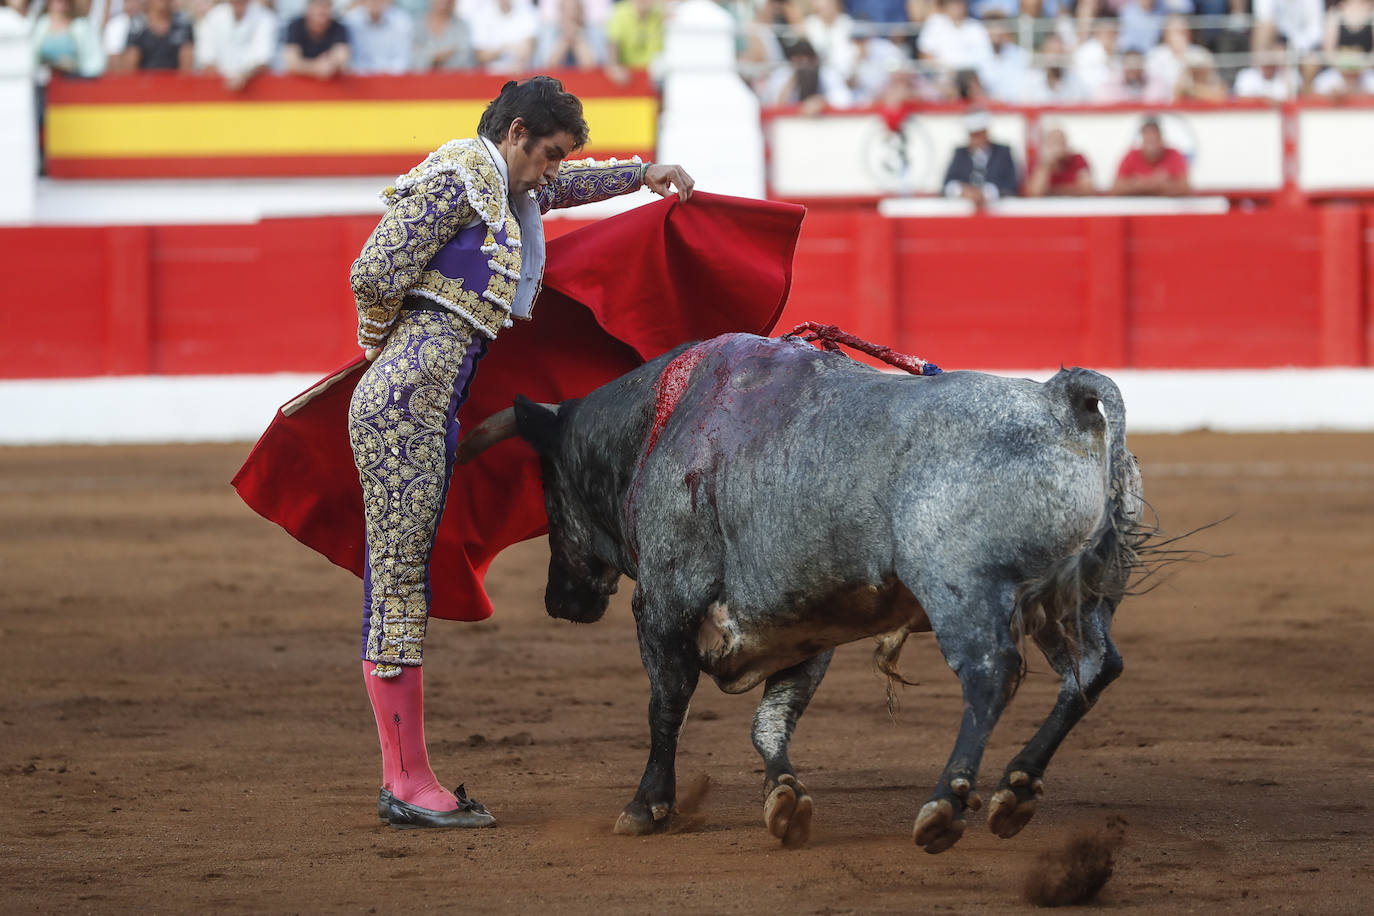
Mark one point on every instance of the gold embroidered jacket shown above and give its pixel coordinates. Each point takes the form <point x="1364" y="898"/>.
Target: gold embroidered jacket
<point x="457" y="185"/>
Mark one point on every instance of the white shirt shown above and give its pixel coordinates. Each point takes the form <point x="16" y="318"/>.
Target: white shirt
<point x="1302" y="22"/>
<point x="116" y="35"/>
<point x="960" y="47"/>
<point x="1006" y="74"/>
<point x="532" y="250"/>
<point x="492" y="29"/>
<point x="235" y="46"/>
<point x="834" y="43"/>
<point x="1251" y="84"/>
<point x="1331" y="82"/>
<point x="1096" y="73"/>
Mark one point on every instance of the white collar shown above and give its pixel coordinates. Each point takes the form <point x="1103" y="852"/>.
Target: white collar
<point x="500" y="161"/>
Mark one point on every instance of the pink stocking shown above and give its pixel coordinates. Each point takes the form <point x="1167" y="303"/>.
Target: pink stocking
<point x="399" y="705"/>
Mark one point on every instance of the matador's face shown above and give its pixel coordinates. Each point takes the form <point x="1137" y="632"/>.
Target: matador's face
<point x="533" y="161"/>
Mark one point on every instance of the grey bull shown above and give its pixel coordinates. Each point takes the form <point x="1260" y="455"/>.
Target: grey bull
<point x="773" y="501"/>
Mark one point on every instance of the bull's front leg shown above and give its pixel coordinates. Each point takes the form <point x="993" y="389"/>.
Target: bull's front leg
<point x="786" y="806"/>
<point x="1084" y="674"/>
<point x="671" y="662"/>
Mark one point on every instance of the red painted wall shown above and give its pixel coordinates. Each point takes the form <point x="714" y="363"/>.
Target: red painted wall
<point x="1269" y="288"/>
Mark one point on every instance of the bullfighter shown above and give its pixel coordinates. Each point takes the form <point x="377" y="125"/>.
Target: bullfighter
<point x="457" y="256"/>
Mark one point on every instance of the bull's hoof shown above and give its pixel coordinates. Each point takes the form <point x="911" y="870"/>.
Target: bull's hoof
<point x="936" y="826"/>
<point x="787" y="812"/>
<point x="639" y="819"/>
<point x="1014" y="804"/>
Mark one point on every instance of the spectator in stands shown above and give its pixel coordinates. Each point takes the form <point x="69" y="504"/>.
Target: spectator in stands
<point x="442" y="40"/>
<point x="1266" y="78"/>
<point x="572" y="42"/>
<point x="65" y="43"/>
<point x="591" y="30"/>
<point x="888" y="12"/>
<point x="763" y="38"/>
<point x="1007" y="9"/>
<point x="1052" y="82"/>
<point x="1299" y="24"/>
<point x="634" y="35"/>
<point x="1095" y="64"/>
<point x="1006" y="73"/>
<point x="950" y="39"/>
<point x="1177" y="68"/>
<point x="1200" y="81"/>
<point x="882" y="72"/>
<point x="160" y="39"/>
<point x="1058" y="170"/>
<point x="982" y="171"/>
<point x="1134" y="83"/>
<point x="380" y="36"/>
<point x="1350" y="27"/>
<point x="317" y="43"/>
<point x="1310" y="66"/>
<point x="115" y="36"/>
<point x="1139" y="21"/>
<point x="831" y="33"/>
<point x="236" y="39"/>
<point x="805" y="82"/>
<point x="1152" y="169"/>
<point x="1347" y="76"/>
<point x="503" y="34"/>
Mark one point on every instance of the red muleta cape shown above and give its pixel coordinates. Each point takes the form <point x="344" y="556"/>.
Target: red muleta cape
<point x="616" y="294"/>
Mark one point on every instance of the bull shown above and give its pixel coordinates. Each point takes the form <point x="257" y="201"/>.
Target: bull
<point x="773" y="501"/>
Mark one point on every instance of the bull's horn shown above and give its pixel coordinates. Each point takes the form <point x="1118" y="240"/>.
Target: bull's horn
<point x="498" y="427"/>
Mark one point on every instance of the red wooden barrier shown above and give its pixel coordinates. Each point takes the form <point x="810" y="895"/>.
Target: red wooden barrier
<point x="1269" y="288"/>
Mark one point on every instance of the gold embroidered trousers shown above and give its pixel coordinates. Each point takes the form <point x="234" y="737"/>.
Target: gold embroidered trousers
<point x="402" y="423"/>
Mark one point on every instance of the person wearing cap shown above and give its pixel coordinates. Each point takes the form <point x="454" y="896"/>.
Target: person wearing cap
<point x="1152" y="169"/>
<point x="982" y="171"/>
<point x="458" y="254"/>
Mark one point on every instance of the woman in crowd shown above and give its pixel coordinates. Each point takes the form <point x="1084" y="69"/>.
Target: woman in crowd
<point x="64" y="42"/>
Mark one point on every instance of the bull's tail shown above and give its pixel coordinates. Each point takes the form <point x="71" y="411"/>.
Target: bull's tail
<point x="1050" y="607"/>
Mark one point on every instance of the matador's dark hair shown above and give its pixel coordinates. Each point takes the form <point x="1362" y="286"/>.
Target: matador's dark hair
<point x="542" y="104"/>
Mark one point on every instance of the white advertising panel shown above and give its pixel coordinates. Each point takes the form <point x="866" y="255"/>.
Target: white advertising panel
<point x="1335" y="149"/>
<point x="844" y="155"/>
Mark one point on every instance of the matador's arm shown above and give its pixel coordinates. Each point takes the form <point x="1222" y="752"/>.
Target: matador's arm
<point x="585" y="181"/>
<point x="414" y="228"/>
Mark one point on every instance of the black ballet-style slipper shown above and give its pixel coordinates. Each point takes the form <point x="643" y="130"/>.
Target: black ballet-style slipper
<point x="469" y="813"/>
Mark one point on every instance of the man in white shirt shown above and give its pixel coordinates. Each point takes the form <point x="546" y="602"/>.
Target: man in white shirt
<point x="379" y="36"/>
<point x="1300" y="23"/>
<point x="503" y="33"/>
<point x="1006" y="74"/>
<point x="237" y="40"/>
<point x="1095" y="66"/>
<point x="1267" y="79"/>
<point x="951" y="39"/>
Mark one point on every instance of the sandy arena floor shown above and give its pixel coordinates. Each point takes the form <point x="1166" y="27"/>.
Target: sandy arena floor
<point x="185" y="727"/>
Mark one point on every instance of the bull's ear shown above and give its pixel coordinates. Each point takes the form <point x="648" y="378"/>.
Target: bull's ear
<point x="537" y="424"/>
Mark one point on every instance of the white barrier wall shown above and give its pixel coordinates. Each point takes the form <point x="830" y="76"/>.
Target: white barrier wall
<point x="1335" y="149"/>
<point x="229" y="408"/>
<point x="1235" y="150"/>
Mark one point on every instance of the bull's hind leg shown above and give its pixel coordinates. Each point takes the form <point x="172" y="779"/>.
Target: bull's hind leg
<point x="673" y="670"/>
<point x="976" y="642"/>
<point x="786" y="806"/>
<point x="1083" y="676"/>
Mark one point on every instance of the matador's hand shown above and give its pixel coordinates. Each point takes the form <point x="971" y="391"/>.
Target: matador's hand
<point x="662" y="178"/>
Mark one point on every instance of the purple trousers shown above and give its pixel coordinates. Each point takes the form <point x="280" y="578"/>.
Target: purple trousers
<point x="403" y="427"/>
